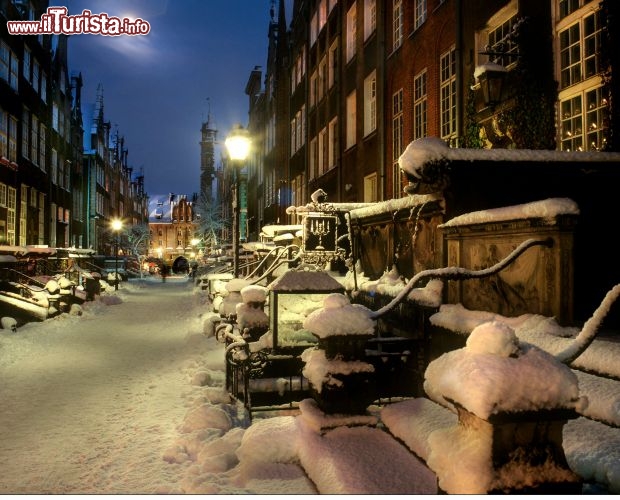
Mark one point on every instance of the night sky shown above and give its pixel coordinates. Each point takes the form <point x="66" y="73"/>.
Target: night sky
<point x="158" y="88"/>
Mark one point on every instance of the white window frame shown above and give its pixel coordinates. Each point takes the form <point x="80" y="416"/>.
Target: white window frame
<point x="420" y="12"/>
<point x="397" y="24"/>
<point x="370" y="188"/>
<point x="351" y="40"/>
<point x="370" y="103"/>
<point x="448" y="94"/>
<point x="370" y="18"/>
<point x="420" y="105"/>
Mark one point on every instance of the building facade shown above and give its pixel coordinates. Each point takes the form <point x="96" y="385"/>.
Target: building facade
<point x="172" y="229"/>
<point x="350" y="83"/>
<point x="64" y="174"/>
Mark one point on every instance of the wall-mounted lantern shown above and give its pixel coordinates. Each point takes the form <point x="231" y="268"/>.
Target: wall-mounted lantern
<point x="490" y="76"/>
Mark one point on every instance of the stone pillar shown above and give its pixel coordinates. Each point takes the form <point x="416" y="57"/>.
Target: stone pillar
<point x="341" y="381"/>
<point x="512" y="401"/>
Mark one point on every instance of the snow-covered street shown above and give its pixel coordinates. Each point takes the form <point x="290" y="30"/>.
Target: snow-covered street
<point x="129" y="398"/>
<point x="90" y="404"/>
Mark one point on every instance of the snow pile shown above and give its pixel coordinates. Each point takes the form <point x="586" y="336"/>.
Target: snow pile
<point x="339" y="317"/>
<point x="494" y="373"/>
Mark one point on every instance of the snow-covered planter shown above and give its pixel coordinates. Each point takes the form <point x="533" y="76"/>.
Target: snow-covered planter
<point x="341" y="381"/>
<point x="512" y="400"/>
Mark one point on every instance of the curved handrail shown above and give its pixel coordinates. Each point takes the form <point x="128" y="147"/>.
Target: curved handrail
<point x="264" y="259"/>
<point x="590" y="329"/>
<point x="460" y="273"/>
<point x="279" y="261"/>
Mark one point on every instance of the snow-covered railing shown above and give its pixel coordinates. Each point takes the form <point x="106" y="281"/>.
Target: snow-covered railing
<point x="460" y="273"/>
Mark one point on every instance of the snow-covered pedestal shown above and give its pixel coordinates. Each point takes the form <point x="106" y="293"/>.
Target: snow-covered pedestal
<point x="512" y="400"/>
<point x="229" y="304"/>
<point x="341" y="381"/>
<point x="251" y="317"/>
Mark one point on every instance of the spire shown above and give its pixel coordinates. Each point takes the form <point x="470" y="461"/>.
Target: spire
<point x="99" y="104"/>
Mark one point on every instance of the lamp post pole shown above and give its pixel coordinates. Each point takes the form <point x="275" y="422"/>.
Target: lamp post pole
<point x="116" y="227"/>
<point x="238" y="146"/>
<point x="236" y="223"/>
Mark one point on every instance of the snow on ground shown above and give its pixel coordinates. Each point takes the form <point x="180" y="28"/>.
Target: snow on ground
<point x="128" y="399"/>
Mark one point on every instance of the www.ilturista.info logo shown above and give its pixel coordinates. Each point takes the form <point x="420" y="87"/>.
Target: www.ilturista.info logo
<point x="56" y="22"/>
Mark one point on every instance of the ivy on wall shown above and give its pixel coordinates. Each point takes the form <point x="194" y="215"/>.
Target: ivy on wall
<point x="472" y="137"/>
<point x="528" y="117"/>
<point x="531" y="119"/>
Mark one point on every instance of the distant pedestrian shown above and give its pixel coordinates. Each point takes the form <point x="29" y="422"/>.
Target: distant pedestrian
<point x="164" y="272"/>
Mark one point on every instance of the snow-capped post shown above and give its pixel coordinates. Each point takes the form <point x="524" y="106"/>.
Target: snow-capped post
<point x="341" y="381"/>
<point x="228" y="307"/>
<point x="512" y="401"/>
<point x="251" y="317"/>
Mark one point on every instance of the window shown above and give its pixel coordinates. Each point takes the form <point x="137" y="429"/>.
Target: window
<point x="5" y="60"/>
<point x="299" y="69"/>
<point x="351" y="119"/>
<point x="314" y="28"/>
<point x="420" y="13"/>
<point x="36" y="71"/>
<point x="332" y="64"/>
<point x="3" y="195"/>
<point x="583" y="110"/>
<point x="4" y="133"/>
<point x="42" y="152"/>
<point x="12" y="139"/>
<point x="26" y="65"/>
<point x="298" y="190"/>
<point x="11" y="214"/>
<point x="370" y="18"/>
<point x="499" y="39"/>
<point x="333" y="143"/>
<point x="397" y="140"/>
<point x="44" y="87"/>
<point x="61" y="172"/>
<point x="322" y="151"/>
<point x="322" y="83"/>
<point x="397" y="24"/>
<point x="397" y="124"/>
<point x="419" y="105"/>
<point x="41" y="218"/>
<point x="9" y="65"/>
<point x="313" y="88"/>
<point x="567" y="7"/>
<point x="25" y="133"/>
<point x="23" y="213"/>
<point x="351" y="32"/>
<point x="579" y="45"/>
<point x="370" y="188"/>
<point x="300" y="131"/>
<point x="447" y="89"/>
<point x="322" y="14"/>
<point x="55" y="117"/>
<point x="293" y="137"/>
<point x="54" y="167"/>
<point x="583" y="119"/>
<point x="370" y="103"/>
<point x="312" y="161"/>
<point x="34" y="142"/>
<point x="14" y="72"/>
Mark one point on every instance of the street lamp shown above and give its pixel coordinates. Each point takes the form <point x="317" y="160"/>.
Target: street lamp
<point x="238" y="146"/>
<point x="117" y="225"/>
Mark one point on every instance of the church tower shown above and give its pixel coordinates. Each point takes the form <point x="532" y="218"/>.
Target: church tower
<point x="207" y="156"/>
